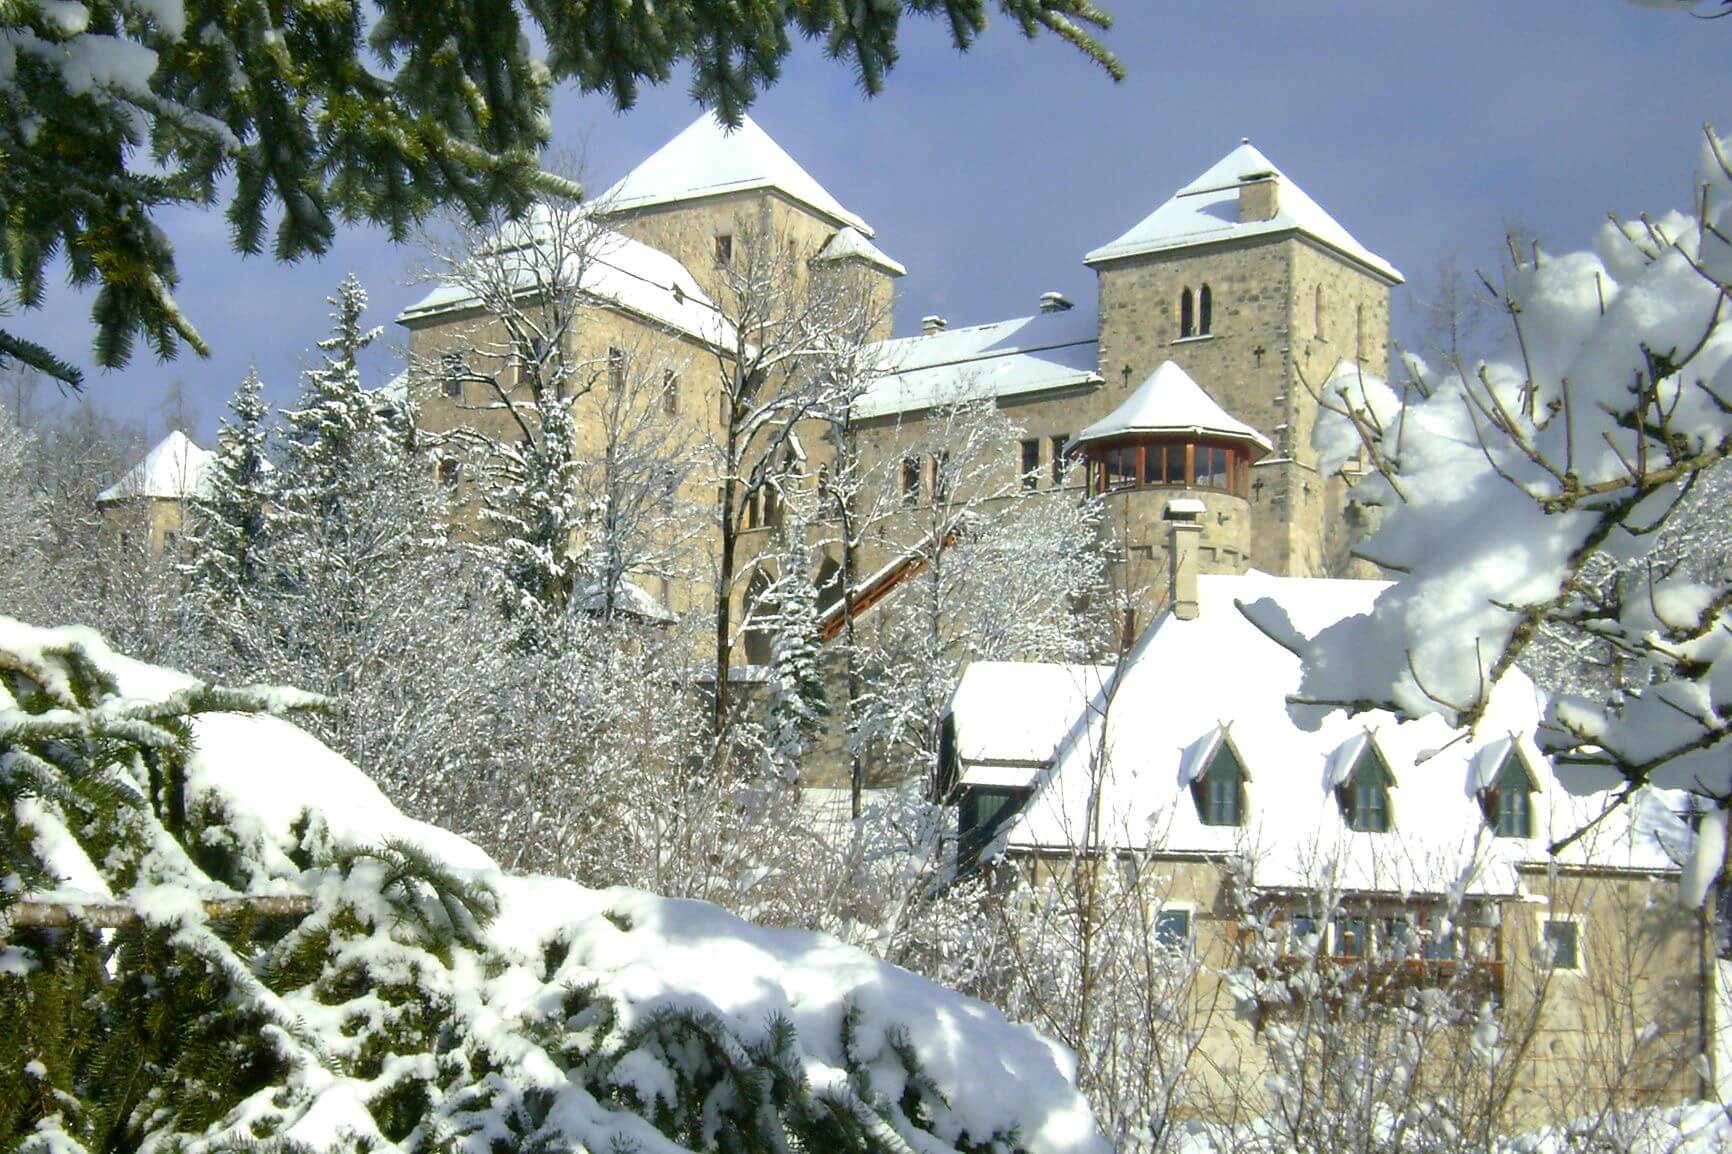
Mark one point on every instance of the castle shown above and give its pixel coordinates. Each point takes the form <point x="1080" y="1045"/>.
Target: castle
<point x="1195" y="371"/>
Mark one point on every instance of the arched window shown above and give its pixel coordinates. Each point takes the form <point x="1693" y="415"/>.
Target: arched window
<point x="1187" y="315"/>
<point x="828" y="583"/>
<point x="1322" y="333"/>
<point x="1205" y="312"/>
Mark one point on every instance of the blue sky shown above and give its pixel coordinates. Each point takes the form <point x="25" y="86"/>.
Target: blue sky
<point x="1425" y="128"/>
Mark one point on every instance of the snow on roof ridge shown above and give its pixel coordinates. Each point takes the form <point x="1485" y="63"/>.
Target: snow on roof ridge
<point x="1171" y="401"/>
<point x="708" y="159"/>
<point x="849" y="242"/>
<point x="1205" y="211"/>
<point x="173" y="470"/>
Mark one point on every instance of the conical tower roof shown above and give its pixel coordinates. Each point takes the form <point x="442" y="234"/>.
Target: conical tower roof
<point x="709" y="159"/>
<point x="1170" y="402"/>
<point x="1206" y="211"/>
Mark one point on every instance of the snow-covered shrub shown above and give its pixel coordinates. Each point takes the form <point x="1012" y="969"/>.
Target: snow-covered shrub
<point x="215" y="932"/>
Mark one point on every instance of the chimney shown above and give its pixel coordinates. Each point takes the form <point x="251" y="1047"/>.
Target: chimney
<point x="1054" y="303"/>
<point x="1184" y="518"/>
<point x="930" y="325"/>
<point x="1257" y="200"/>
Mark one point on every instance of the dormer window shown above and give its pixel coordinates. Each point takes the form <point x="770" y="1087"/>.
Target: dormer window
<point x="1220" y="791"/>
<point x="1364" y="796"/>
<point x="981" y="812"/>
<point x="1509" y="808"/>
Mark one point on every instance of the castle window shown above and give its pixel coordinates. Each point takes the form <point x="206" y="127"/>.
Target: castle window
<point x="448" y="470"/>
<point x="1030" y="471"/>
<point x="1562" y="944"/>
<point x="940" y="476"/>
<point x="616" y="367"/>
<point x="1173" y="930"/>
<point x="670" y="392"/>
<point x="451" y="373"/>
<point x="1509" y="802"/>
<point x="725" y="248"/>
<point x="1359" y="332"/>
<point x="1059" y="443"/>
<point x="1187" y="315"/>
<point x="1322" y="333"/>
<point x="1205" y="312"/>
<point x="1364" y="797"/>
<point x="911" y="480"/>
<point x="1220" y="791"/>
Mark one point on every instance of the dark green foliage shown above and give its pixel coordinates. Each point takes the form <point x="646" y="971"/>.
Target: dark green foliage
<point x="314" y="116"/>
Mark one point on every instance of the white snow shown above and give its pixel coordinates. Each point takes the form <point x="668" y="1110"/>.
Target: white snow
<point x="1169" y="401"/>
<point x="1132" y="752"/>
<point x="1016" y="357"/>
<point x="616" y="270"/>
<point x="709" y="159"/>
<point x="173" y="470"/>
<point x="629" y="597"/>
<point x="1012" y="717"/>
<point x="850" y="244"/>
<point x="1206" y="211"/>
<point x="1702" y="868"/>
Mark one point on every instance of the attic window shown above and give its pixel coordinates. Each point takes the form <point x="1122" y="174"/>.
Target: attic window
<point x="1364" y="796"/>
<point x="1220" y="791"/>
<point x="725" y="248"/>
<point x="981" y="812"/>
<point x="1509" y="802"/>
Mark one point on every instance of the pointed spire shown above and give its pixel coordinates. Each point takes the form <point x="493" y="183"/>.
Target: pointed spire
<point x="171" y="471"/>
<point x="708" y="159"/>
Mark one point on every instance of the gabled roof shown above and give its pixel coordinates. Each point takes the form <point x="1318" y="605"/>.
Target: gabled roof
<point x="619" y="271"/>
<point x="172" y="471"/>
<point x="1008" y="358"/>
<point x="709" y="159"/>
<point x="1122" y="774"/>
<point x="1012" y="717"/>
<point x="850" y="244"/>
<point x="1206" y="211"/>
<point x="1169" y="401"/>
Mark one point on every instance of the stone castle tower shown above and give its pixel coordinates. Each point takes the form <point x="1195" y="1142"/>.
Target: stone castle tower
<point x="1249" y="285"/>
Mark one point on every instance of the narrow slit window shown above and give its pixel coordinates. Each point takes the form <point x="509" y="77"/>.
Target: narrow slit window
<point x="1205" y="312"/>
<point x="1187" y="314"/>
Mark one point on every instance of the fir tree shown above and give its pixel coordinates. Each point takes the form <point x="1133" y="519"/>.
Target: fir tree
<point x="796" y="707"/>
<point x="229" y="513"/>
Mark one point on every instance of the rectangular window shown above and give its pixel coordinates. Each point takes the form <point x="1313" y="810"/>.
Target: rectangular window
<point x="1562" y="945"/>
<point x="725" y="248"/>
<point x="1514" y="817"/>
<point x="670" y="392"/>
<point x="451" y="373"/>
<point x="1030" y="471"/>
<point x="1223" y="798"/>
<point x="1173" y="930"/>
<point x="616" y="368"/>
<point x="1059" y="444"/>
<point x="940" y="477"/>
<point x="1442" y="947"/>
<point x="1306" y="935"/>
<point x="1154" y="464"/>
<point x="911" y="480"/>
<point x="1392" y="938"/>
<point x="448" y="470"/>
<point x="1122" y="467"/>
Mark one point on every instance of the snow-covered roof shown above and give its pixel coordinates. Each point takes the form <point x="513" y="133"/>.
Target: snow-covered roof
<point x="1206" y="211"/>
<point x="1011" y="717"/>
<point x="1169" y="401"/>
<point x="1008" y="358"/>
<point x="850" y="244"/>
<point x="617" y="270"/>
<point x="710" y="159"/>
<point x="1188" y="685"/>
<point x="172" y="471"/>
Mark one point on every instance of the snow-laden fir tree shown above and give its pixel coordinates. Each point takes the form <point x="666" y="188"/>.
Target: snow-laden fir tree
<point x="226" y="518"/>
<point x="794" y="714"/>
<point x="216" y="933"/>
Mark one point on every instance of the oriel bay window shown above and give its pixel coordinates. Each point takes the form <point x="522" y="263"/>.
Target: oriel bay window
<point x="1175" y="465"/>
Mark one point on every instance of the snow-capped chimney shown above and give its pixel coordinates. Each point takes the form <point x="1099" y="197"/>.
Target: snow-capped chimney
<point x="1054" y="303"/>
<point x="930" y="325"/>
<point x="1257" y="200"/>
<point x="1184" y="518"/>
